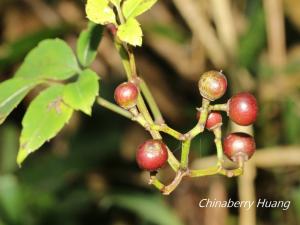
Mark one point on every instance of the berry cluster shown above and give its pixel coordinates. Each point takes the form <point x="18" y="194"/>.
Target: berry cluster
<point x="238" y="147"/>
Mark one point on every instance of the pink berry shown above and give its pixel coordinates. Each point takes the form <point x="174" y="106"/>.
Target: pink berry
<point x="126" y="95"/>
<point x="212" y="85"/>
<point x="239" y="145"/>
<point x="242" y="109"/>
<point x="152" y="155"/>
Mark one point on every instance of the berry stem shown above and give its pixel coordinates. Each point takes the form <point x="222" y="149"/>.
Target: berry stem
<point x="218" y="107"/>
<point x="218" y="142"/>
<point x="151" y="102"/>
<point x="127" y="61"/>
<point x="113" y="107"/>
<point x="201" y="122"/>
<point x="156" y="183"/>
<point x="217" y="169"/>
<point x="185" y="150"/>
<point x="205" y="172"/>
<point x="168" y="130"/>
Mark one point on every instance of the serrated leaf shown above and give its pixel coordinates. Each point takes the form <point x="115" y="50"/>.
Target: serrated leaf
<point x="88" y="43"/>
<point x="99" y="12"/>
<point x="44" y="118"/>
<point x="81" y="94"/>
<point x="51" y="59"/>
<point x="12" y="92"/>
<point x="134" y="8"/>
<point x="131" y="32"/>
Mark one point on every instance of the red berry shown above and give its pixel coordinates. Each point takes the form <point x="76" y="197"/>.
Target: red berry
<point x="242" y="109"/>
<point x="212" y="85"/>
<point x="213" y="121"/>
<point x="238" y="145"/>
<point x="126" y="95"/>
<point x="152" y="155"/>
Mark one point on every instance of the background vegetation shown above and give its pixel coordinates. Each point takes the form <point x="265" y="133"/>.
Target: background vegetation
<point x="88" y="174"/>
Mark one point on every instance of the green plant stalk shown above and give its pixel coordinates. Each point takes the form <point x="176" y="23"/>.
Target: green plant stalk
<point x="185" y="150"/>
<point x="205" y="172"/>
<point x="168" y="130"/>
<point x="173" y="162"/>
<point x="218" y="107"/>
<point x="218" y="142"/>
<point x="158" y="118"/>
<point x="216" y="170"/>
<point x="199" y="128"/>
<point x="113" y="107"/>
<point x="124" y="58"/>
<point x="156" y="183"/>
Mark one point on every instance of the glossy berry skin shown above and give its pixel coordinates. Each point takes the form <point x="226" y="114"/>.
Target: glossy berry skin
<point x="212" y="85"/>
<point x="237" y="145"/>
<point x="242" y="109"/>
<point x="152" y="155"/>
<point x="213" y="121"/>
<point x="126" y="95"/>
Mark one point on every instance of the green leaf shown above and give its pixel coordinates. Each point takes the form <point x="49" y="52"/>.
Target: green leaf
<point x="149" y="207"/>
<point x="51" y="59"/>
<point x="134" y="8"/>
<point x="99" y="12"/>
<point x="131" y="32"/>
<point x="44" y="118"/>
<point x="88" y="43"/>
<point x="12" y="92"/>
<point x="116" y="2"/>
<point x="81" y="94"/>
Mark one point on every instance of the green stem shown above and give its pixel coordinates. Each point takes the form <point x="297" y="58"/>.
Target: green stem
<point x="218" y="107"/>
<point x="168" y="130"/>
<point x="218" y="142"/>
<point x="151" y="102"/>
<point x="113" y="107"/>
<point x="156" y="183"/>
<point x="205" y="172"/>
<point x="173" y="162"/>
<point x="199" y="128"/>
<point x="185" y="150"/>
<point x="218" y="169"/>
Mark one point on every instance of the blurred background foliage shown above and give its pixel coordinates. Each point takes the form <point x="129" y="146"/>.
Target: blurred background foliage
<point x="88" y="174"/>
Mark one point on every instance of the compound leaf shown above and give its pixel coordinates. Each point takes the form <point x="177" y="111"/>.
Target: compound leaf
<point x="51" y="59"/>
<point x="81" y="94"/>
<point x="44" y="118"/>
